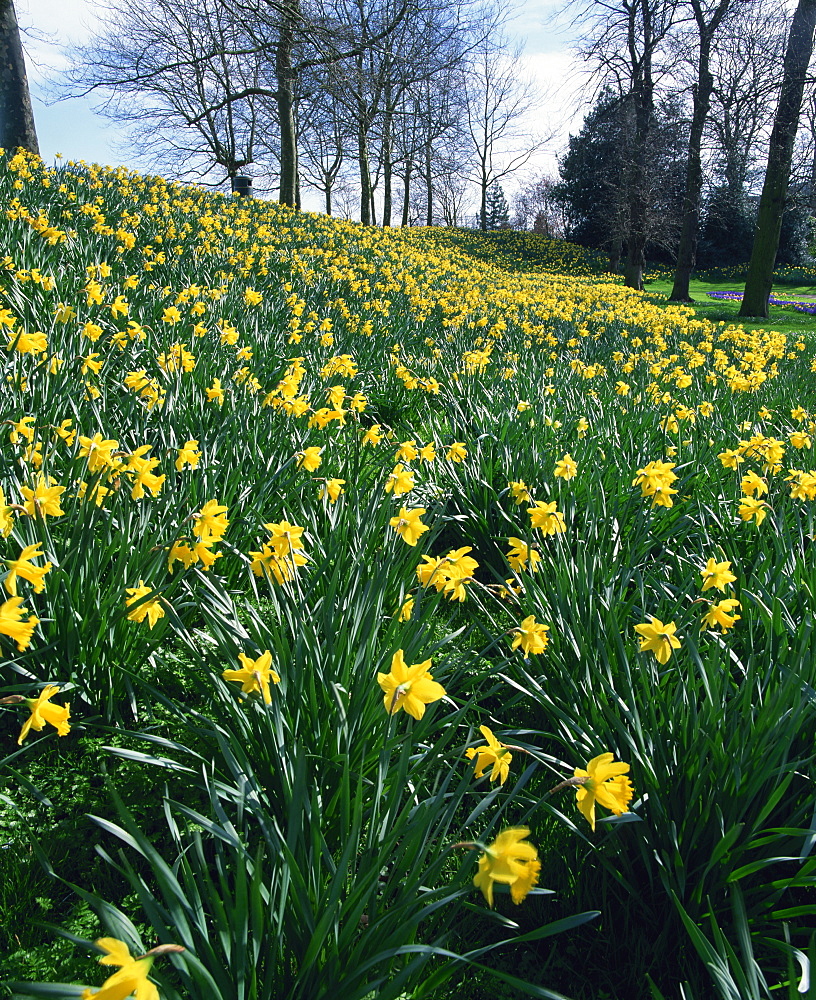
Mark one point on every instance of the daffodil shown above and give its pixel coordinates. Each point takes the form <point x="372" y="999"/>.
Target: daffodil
<point x="12" y="624"/>
<point x="658" y="638"/>
<point x="406" y="610"/>
<point x="6" y="516"/>
<point x="282" y="567"/>
<point x="606" y="783"/>
<point x="408" y="525"/>
<point x="716" y="574"/>
<point x="721" y="614"/>
<point x="254" y="675"/>
<point x="751" y="508"/>
<point x="23" y="567"/>
<point x="215" y="394"/>
<point x="42" y="712"/>
<point x="181" y="552"/>
<point x="494" y="755"/>
<point x="407" y="451"/>
<point x="456" y="570"/>
<point x="521" y="493"/>
<point x="131" y="979"/>
<point x="373" y="435"/>
<point x="211" y="522"/>
<point x="509" y="860"/>
<point x="656" y="478"/>
<point x="309" y="459"/>
<point x="521" y="554"/>
<point x="44" y="499"/>
<point x="331" y="490"/>
<point x="409" y="688"/>
<point x="152" y="610"/>
<point x="730" y="458"/>
<point x="547" y="518"/>
<point x="531" y="636"/>
<point x="752" y="485"/>
<point x="399" y="481"/>
<point x="566" y="467"/>
<point x="189" y="455"/>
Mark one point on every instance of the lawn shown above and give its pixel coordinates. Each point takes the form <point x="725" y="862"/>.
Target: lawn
<point x="784" y="318"/>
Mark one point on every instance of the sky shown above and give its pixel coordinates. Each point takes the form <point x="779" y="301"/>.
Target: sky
<point x="73" y="129"/>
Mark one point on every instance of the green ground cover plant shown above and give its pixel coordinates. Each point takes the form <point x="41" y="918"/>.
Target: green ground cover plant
<point x="396" y="614"/>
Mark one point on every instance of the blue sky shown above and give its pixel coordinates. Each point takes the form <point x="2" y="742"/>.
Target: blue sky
<point x="72" y="128"/>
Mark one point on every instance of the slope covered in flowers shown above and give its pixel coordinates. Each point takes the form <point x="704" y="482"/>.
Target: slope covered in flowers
<point x="382" y="435"/>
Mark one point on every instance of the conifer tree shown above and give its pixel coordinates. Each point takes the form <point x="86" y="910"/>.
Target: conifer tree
<point x="497" y="212"/>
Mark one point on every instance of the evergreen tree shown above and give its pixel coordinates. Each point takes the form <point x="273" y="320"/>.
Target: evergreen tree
<point x="727" y="232"/>
<point x="592" y="189"/>
<point x="597" y="176"/>
<point x="497" y="212"/>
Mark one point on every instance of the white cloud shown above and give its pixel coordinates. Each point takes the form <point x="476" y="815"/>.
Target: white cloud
<point x="557" y="76"/>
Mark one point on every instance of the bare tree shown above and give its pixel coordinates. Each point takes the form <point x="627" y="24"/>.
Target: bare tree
<point x="499" y="103"/>
<point x="405" y="73"/>
<point x="324" y="142"/>
<point x="746" y="66"/>
<point x="169" y="69"/>
<point x="772" y="202"/>
<point x="297" y="38"/>
<point x="537" y="207"/>
<point x="16" y="115"/>
<point x="809" y="153"/>
<point x="266" y="44"/>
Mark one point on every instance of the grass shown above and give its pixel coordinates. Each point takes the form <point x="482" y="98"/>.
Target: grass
<point x="785" y="319"/>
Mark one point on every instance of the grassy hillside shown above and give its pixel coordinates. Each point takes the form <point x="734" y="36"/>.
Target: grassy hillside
<point x="352" y="550"/>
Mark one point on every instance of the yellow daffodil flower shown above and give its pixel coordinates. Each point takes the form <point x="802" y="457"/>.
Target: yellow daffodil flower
<point x="508" y="861"/>
<point x="658" y="638"/>
<point x="42" y="712"/>
<point x="255" y="675"/>
<point x="494" y="755"/>
<point x="716" y="574"/>
<point x="409" y="688"/>
<point x="606" y="783"/>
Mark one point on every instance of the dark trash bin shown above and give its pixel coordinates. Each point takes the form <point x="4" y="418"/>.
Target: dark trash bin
<point x="242" y="185"/>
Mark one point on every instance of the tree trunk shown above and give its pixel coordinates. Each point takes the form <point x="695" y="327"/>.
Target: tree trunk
<point x="406" y="195"/>
<point x="615" y="254"/>
<point x="812" y="193"/>
<point x="772" y="202"/>
<point x="387" y="171"/>
<point x="687" y="250"/>
<point x="365" y="176"/>
<point x="328" y="198"/>
<point x="284" y="77"/>
<point x="638" y="207"/>
<point x="483" y="203"/>
<point x="16" y="115"/>
<point x="428" y="184"/>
